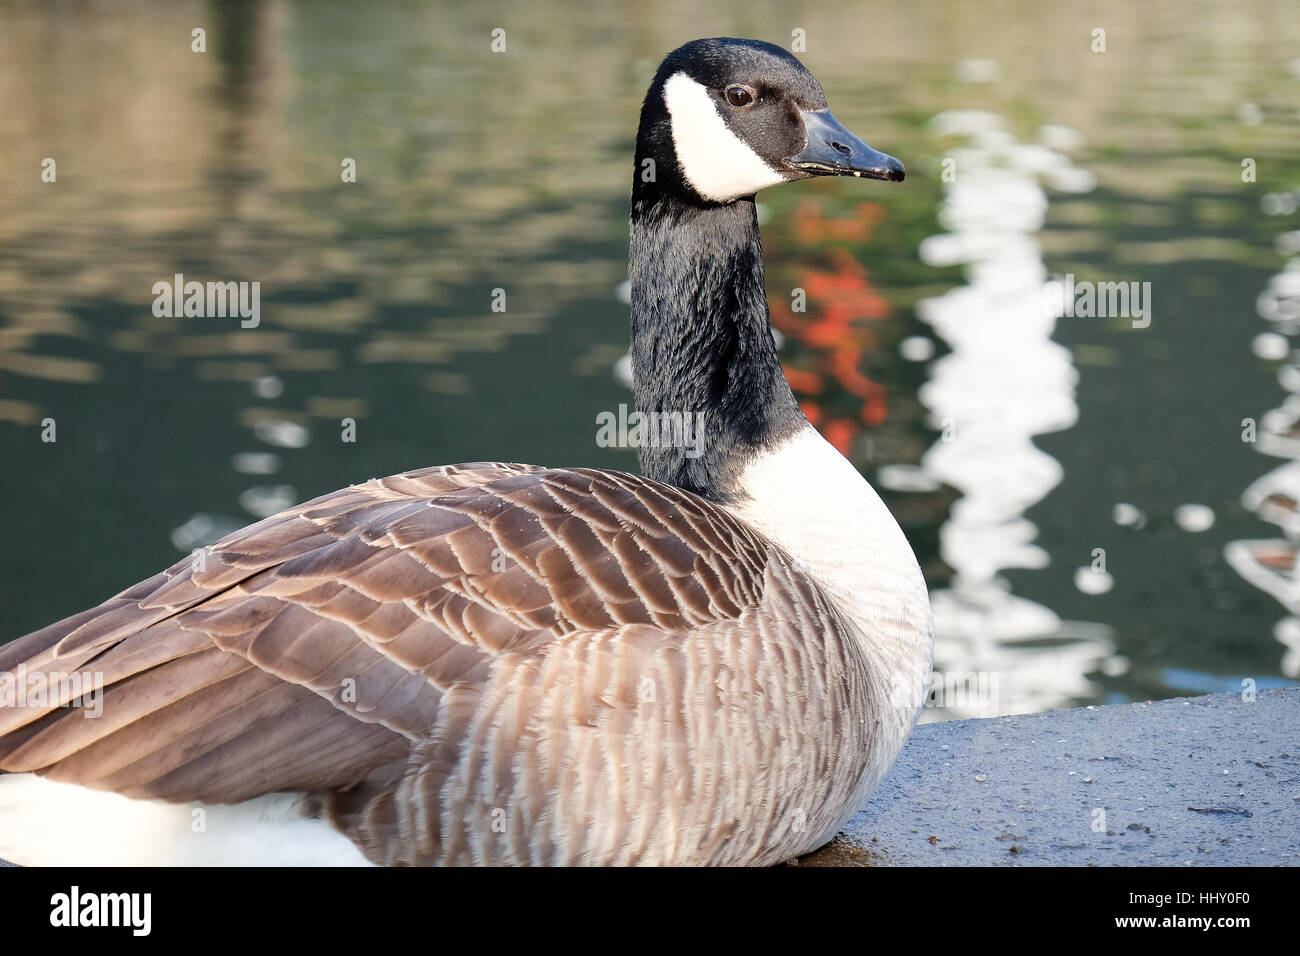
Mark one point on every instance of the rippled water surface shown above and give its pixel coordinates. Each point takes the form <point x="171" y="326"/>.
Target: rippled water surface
<point x="1104" y="512"/>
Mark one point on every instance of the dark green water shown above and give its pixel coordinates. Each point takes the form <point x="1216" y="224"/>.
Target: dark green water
<point x="479" y="171"/>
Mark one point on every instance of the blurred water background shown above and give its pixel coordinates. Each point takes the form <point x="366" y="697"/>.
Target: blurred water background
<point x="1104" y="513"/>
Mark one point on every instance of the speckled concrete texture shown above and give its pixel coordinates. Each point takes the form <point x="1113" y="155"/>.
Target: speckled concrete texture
<point x="1201" y="781"/>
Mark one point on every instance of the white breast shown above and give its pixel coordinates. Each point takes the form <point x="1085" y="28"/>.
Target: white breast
<point x="808" y="499"/>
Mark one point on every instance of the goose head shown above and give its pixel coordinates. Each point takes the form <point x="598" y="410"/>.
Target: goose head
<point x="727" y="117"/>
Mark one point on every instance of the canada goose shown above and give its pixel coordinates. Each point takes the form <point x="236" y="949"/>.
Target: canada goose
<point x="499" y="663"/>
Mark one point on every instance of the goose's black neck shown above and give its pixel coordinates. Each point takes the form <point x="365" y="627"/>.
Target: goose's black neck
<point x="702" y="342"/>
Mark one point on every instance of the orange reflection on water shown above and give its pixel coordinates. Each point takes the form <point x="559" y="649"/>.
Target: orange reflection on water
<point x="835" y="332"/>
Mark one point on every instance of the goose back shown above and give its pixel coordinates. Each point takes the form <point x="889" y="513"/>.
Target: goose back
<point x="472" y="663"/>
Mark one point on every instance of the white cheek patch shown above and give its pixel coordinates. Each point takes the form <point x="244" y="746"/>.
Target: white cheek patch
<point x="717" y="164"/>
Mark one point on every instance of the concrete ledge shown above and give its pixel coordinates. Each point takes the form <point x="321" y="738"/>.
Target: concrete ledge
<point x="1206" y="780"/>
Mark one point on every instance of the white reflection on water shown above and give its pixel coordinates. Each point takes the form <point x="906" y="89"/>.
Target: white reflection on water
<point x="1270" y="565"/>
<point x="260" y="501"/>
<point x="1004" y="382"/>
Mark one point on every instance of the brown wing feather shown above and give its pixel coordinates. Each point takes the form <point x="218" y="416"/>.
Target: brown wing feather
<point x="339" y="644"/>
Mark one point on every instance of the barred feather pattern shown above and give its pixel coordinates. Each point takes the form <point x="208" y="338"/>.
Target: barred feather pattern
<point x="484" y="663"/>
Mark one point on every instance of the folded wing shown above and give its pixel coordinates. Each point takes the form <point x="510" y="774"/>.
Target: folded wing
<point x="328" y="647"/>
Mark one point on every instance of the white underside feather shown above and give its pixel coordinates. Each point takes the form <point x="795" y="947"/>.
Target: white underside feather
<point x="44" y="823"/>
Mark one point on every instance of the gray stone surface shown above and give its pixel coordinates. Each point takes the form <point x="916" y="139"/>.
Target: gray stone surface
<point x="1200" y="781"/>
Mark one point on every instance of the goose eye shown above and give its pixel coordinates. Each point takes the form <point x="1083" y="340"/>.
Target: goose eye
<point x="739" y="96"/>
